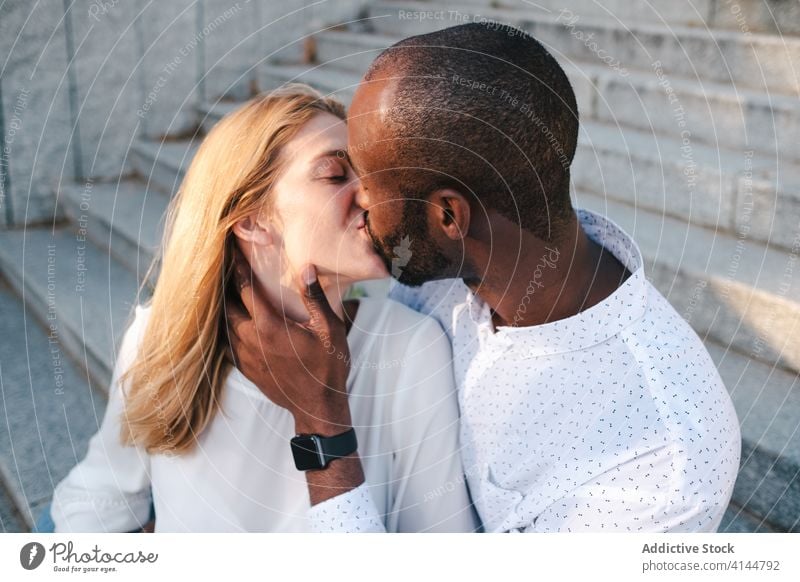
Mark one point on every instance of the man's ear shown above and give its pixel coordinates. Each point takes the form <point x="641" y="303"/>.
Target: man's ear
<point x="250" y="230"/>
<point x="450" y="212"/>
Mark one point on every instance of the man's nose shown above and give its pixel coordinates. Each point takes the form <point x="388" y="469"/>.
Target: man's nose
<point x="362" y="198"/>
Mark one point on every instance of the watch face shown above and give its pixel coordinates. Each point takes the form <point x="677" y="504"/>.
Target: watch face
<point x="306" y="453"/>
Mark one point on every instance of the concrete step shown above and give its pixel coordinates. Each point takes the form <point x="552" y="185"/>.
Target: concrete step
<point x="353" y="51"/>
<point x="211" y="113"/>
<point x="734" y="290"/>
<point x="71" y="284"/>
<point x="125" y="217"/>
<point x="10" y="517"/>
<point x="777" y="17"/>
<point x="768" y="206"/>
<point x="769" y="16"/>
<point x="672" y="12"/>
<point x="761" y="61"/>
<point x="161" y="165"/>
<point x="333" y="82"/>
<point x="658" y="100"/>
<point x="718" y="188"/>
<point x="48" y="409"/>
<point x="767" y="401"/>
<point x="699" y="111"/>
<point x="647" y="170"/>
<point x="739" y="520"/>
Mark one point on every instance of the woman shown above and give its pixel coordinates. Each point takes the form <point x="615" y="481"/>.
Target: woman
<point x="273" y="178"/>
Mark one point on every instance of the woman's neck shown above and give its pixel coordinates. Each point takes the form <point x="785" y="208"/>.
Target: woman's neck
<point x="285" y="295"/>
<point x="280" y="285"/>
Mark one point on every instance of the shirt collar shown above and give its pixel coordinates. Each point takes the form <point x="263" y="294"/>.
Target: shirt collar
<point x="591" y="326"/>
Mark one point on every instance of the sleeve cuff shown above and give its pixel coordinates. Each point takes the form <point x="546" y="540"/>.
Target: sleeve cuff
<point x="351" y="512"/>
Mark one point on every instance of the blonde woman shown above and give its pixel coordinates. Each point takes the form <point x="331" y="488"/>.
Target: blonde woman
<point x="182" y="422"/>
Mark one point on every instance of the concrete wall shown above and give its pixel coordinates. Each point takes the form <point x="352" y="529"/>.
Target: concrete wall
<point x="81" y="79"/>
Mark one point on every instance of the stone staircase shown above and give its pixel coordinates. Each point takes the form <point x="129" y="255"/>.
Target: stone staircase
<point x="690" y="140"/>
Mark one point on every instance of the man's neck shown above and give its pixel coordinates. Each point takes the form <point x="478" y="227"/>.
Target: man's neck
<point x="551" y="281"/>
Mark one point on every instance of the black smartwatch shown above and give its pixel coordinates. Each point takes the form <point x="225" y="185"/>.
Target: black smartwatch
<point x="313" y="451"/>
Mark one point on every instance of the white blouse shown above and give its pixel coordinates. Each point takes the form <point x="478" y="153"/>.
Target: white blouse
<point x="241" y="475"/>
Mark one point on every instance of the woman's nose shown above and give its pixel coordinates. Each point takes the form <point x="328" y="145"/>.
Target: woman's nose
<point x="362" y="199"/>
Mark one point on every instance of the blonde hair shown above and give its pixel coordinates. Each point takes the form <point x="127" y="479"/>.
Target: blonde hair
<point x="177" y="374"/>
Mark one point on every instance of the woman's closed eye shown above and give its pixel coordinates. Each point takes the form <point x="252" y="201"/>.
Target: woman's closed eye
<point x="335" y="172"/>
<point x="336" y="179"/>
<point x="331" y="170"/>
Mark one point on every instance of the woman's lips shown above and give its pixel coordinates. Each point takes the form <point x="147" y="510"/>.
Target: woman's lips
<point x="361" y="221"/>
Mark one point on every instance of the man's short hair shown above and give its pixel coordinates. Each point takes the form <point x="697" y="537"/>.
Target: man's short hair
<point x="484" y="109"/>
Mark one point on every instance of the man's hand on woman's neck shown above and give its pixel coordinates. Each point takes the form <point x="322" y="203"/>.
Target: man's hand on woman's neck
<point x="280" y="287"/>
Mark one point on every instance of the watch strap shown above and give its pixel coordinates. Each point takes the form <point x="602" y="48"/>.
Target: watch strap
<point x="338" y="446"/>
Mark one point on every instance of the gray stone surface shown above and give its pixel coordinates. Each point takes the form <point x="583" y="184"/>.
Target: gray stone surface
<point x="768" y="206"/>
<point x="673" y="12"/>
<point x="47" y="412"/>
<point x="738" y="520"/>
<point x="10" y="519"/>
<point x="161" y="165"/>
<point x="649" y="171"/>
<point x="352" y="51"/>
<point x="734" y="290"/>
<point x="211" y="112"/>
<point x="124" y="217"/>
<point x="284" y="27"/>
<point x="232" y="46"/>
<point x="335" y="83"/>
<point x="767" y="401"/>
<point x="88" y="296"/>
<point x="108" y="90"/>
<point x="771" y="16"/>
<point x="322" y="14"/>
<point x="171" y="66"/>
<point x="717" y="115"/>
<point x="769" y="488"/>
<point x="35" y="109"/>
<point x="759" y="61"/>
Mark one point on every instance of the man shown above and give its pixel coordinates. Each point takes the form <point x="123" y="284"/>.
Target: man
<point x="587" y="403"/>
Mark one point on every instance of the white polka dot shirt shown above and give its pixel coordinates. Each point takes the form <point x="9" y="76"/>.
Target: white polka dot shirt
<point x="614" y="419"/>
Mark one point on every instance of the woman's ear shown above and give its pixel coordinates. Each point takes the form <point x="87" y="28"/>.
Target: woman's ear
<point x="253" y="231"/>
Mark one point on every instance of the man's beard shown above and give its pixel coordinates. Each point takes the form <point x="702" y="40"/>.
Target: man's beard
<point x="408" y="252"/>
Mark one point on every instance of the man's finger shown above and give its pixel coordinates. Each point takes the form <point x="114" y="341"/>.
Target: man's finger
<point x="322" y="315"/>
<point x="250" y="290"/>
<point x="235" y="317"/>
<point x="232" y="348"/>
<point x="243" y="278"/>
